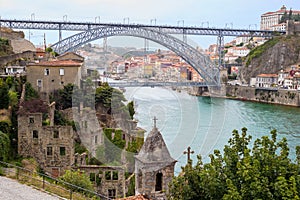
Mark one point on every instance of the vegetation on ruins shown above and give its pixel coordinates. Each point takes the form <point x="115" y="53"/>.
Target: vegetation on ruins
<point x="5" y="47"/>
<point x="78" y="178"/>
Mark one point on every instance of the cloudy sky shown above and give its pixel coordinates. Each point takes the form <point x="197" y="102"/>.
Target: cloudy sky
<point x="215" y="13"/>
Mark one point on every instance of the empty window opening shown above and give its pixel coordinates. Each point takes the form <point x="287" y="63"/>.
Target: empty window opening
<point x="31" y="120"/>
<point x="35" y="134"/>
<point x="55" y="134"/>
<point x="62" y="151"/>
<point x="49" y="151"/>
<point x="158" y="182"/>
<point x="111" y="193"/>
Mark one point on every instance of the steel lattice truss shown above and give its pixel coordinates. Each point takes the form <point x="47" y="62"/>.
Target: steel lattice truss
<point x="201" y="63"/>
<point x="167" y="29"/>
<point x="155" y="84"/>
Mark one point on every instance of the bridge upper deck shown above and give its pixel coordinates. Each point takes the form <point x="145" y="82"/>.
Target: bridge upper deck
<point x="167" y="29"/>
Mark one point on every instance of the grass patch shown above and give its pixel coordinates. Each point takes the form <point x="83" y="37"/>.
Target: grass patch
<point x="259" y="50"/>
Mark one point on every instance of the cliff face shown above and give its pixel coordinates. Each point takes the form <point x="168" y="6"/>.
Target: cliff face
<point x="280" y="52"/>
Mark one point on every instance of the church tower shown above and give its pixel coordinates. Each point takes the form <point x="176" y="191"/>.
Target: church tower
<point x="154" y="167"/>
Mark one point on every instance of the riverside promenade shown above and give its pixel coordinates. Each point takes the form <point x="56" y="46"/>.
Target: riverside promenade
<point x="11" y="189"/>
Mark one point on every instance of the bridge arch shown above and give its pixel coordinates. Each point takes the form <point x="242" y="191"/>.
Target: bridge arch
<point x="201" y="63"/>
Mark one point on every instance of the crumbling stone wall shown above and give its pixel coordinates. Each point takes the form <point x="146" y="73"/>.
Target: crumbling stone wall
<point x="51" y="146"/>
<point x="108" y="180"/>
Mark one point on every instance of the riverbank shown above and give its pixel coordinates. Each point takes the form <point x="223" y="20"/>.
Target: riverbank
<point x="263" y="95"/>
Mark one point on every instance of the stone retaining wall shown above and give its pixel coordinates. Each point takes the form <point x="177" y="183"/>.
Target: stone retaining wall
<point x="280" y="96"/>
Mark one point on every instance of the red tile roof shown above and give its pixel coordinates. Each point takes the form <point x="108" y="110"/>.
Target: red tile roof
<point x="59" y="63"/>
<point x="268" y="75"/>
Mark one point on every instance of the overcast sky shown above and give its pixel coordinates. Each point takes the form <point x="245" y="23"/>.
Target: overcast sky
<point x="215" y="13"/>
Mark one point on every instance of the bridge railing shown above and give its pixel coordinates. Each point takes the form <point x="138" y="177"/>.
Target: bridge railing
<point x="48" y="183"/>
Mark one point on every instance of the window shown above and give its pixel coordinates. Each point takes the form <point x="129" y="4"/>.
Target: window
<point x="55" y="134"/>
<point x="47" y="72"/>
<point x="49" y="151"/>
<point x="158" y="182"/>
<point x="39" y="83"/>
<point x="115" y="175"/>
<point x="96" y="139"/>
<point x="111" y="193"/>
<point x="31" y="120"/>
<point x="108" y="175"/>
<point x="62" y="151"/>
<point x="92" y="177"/>
<point x="35" y="134"/>
<point x="61" y="71"/>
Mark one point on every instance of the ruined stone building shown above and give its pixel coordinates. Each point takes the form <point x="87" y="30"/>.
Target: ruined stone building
<point x="108" y="180"/>
<point x="88" y="127"/>
<point x="51" y="146"/>
<point x="154" y="167"/>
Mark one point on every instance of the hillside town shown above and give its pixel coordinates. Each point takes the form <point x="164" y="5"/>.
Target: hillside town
<point x="66" y="120"/>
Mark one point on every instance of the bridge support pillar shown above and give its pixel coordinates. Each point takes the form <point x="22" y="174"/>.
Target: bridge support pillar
<point x="59" y="33"/>
<point x="220" y="45"/>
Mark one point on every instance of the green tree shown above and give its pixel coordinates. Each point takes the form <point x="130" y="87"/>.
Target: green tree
<point x="110" y="98"/>
<point x="67" y="97"/>
<point x="262" y="172"/>
<point x="77" y="178"/>
<point x="4" y="147"/>
<point x="13" y="98"/>
<point x="30" y="92"/>
<point x="5" y="48"/>
<point x="130" y="107"/>
<point x="4" y="100"/>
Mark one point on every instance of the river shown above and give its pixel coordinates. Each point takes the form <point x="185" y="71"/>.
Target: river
<point x="206" y="123"/>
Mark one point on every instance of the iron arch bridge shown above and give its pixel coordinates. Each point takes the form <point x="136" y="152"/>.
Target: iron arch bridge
<point x="201" y="63"/>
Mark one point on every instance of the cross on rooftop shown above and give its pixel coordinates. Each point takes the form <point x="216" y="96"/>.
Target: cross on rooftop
<point x="154" y="120"/>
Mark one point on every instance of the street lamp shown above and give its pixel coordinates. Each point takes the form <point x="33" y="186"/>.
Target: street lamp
<point x="231" y="25"/>
<point x="205" y="23"/>
<point x="98" y="17"/>
<point x="124" y="20"/>
<point x="250" y="25"/>
<point x="152" y="21"/>
<point x="65" y="18"/>
<point x="178" y="22"/>
<point x="32" y="16"/>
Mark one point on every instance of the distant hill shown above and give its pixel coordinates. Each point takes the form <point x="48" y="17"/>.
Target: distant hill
<point x="279" y="52"/>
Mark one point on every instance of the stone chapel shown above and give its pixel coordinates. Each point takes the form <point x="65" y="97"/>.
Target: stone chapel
<point x="154" y="167"/>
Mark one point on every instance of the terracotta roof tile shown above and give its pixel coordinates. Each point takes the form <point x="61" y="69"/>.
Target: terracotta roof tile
<point x="57" y="63"/>
<point x="267" y="75"/>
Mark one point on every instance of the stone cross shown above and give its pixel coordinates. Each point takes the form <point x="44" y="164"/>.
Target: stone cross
<point x="188" y="152"/>
<point x="154" y="119"/>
